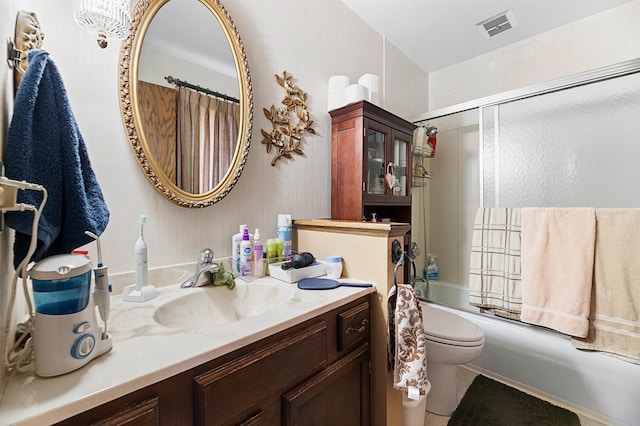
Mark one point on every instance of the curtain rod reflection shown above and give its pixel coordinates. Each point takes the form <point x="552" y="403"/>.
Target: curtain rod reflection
<point x="179" y="82"/>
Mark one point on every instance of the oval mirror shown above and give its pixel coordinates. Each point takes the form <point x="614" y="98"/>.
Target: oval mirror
<point x="186" y="98"/>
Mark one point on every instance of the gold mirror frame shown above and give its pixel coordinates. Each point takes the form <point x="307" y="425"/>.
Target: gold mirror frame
<point x="141" y="18"/>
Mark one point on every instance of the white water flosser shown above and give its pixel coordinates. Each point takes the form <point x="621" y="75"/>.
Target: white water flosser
<point x="101" y="295"/>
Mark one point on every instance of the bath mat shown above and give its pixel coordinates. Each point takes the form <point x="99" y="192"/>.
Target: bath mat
<point x="491" y="403"/>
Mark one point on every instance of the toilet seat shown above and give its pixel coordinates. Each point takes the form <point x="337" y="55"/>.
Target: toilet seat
<point x="452" y="342"/>
<point x="450" y="329"/>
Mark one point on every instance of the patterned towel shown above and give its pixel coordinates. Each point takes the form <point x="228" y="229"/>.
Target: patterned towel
<point x="407" y="340"/>
<point x="494" y="273"/>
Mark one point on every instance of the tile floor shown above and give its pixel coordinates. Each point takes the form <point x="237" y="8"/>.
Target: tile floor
<point x="465" y="377"/>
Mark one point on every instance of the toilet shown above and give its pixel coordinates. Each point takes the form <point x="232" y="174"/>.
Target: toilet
<point x="451" y="341"/>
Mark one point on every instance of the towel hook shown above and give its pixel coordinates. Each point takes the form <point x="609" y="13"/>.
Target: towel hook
<point x="14" y="56"/>
<point x="28" y="36"/>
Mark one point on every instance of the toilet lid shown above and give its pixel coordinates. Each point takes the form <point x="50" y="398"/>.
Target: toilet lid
<point x="446" y="327"/>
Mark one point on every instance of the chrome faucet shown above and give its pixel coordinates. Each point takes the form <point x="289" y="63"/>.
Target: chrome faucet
<point x="205" y="264"/>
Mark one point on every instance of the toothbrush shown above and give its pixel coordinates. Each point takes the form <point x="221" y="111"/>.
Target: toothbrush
<point x="102" y="287"/>
<point x="140" y="250"/>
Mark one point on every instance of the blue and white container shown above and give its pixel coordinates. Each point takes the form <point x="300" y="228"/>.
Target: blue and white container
<point x="284" y="232"/>
<point x="334" y="266"/>
<point x="61" y="284"/>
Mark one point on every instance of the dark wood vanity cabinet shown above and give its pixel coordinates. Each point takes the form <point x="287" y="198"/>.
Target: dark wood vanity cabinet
<point x="370" y="148"/>
<point x="314" y="373"/>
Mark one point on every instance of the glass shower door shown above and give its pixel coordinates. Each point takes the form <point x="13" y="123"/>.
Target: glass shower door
<point x="570" y="148"/>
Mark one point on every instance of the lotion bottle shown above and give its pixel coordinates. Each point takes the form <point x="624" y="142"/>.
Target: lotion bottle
<point x="236" y="240"/>
<point x="246" y="253"/>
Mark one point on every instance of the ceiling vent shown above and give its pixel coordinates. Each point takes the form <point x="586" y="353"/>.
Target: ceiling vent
<point x="498" y="23"/>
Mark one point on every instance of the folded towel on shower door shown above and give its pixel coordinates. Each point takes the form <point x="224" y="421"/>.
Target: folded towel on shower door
<point x="494" y="269"/>
<point x="614" y="326"/>
<point x="557" y="267"/>
<point x="44" y="146"/>
<point x="407" y="341"/>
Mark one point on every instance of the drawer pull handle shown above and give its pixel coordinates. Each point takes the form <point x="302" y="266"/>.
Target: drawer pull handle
<point x="363" y="327"/>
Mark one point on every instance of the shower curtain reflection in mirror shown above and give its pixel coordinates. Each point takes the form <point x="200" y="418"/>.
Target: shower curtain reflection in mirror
<point x="207" y="131"/>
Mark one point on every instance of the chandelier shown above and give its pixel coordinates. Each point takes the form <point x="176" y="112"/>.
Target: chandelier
<point x="109" y="19"/>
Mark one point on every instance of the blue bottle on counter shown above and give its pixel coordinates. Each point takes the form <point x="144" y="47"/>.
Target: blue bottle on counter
<point x="284" y="232"/>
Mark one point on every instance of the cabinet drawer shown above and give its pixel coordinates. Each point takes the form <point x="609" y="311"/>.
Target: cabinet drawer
<point x="353" y="327"/>
<point x="235" y="389"/>
<point x="144" y="414"/>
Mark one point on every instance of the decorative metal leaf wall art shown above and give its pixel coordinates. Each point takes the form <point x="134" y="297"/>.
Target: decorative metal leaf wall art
<point x="289" y="121"/>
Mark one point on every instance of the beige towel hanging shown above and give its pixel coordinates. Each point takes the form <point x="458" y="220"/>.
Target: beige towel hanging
<point x="614" y="326"/>
<point x="557" y="267"/>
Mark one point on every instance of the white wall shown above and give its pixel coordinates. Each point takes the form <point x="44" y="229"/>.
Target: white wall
<point x="7" y="20"/>
<point x="156" y="64"/>
<point x="599" y="40"/>
<point x="311" y="40"/>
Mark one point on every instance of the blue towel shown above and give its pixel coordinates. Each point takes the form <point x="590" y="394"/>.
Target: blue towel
<point x="45" y="147"/>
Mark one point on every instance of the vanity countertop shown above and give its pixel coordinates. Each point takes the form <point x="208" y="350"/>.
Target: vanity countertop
<point x="145" y="352"/>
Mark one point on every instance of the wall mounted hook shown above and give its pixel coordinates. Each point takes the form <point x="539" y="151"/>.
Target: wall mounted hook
<point x="28" y="36"/>
<point x="14" y="56"/>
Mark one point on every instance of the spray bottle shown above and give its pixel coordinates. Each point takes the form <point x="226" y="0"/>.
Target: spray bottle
<point x="258" y="251"/>
<point x="432" y="268"/>
<point x="284" y="233"/>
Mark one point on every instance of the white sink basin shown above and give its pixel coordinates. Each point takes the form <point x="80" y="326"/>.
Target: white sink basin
<point x="203" y="307"/>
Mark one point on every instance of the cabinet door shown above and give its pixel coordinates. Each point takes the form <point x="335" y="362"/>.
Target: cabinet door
<point x="388" y="152"/>
<point x="400" y="157"/>
<point x="376" y="140"/>
<point x="339" y="395"/>
<point x="235" y="391"/>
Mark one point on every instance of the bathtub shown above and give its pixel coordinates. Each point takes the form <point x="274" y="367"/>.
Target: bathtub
<point x="546" y="363"/>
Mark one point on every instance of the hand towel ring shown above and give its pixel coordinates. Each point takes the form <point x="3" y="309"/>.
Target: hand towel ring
<point x="412" y="279"/>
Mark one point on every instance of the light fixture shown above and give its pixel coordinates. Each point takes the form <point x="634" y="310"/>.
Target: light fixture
<point x="109" y="19"/>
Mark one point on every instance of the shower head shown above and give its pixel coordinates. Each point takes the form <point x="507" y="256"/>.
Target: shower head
<point x="431" y="131"/>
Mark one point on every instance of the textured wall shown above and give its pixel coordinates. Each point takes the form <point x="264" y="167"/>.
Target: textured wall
<point x="8" y="12"/>
<point x="606" y="38"/>
<point x="299" y="37"/>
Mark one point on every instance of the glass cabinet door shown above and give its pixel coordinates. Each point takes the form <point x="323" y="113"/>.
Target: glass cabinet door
<point x="399" y="160"/>
<point x="376" y="162"/>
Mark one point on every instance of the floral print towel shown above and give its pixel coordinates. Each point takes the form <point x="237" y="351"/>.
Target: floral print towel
<point x="407" y="340"/>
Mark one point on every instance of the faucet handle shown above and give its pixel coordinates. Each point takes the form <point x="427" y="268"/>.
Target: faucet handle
<point x="206" y="256"/>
